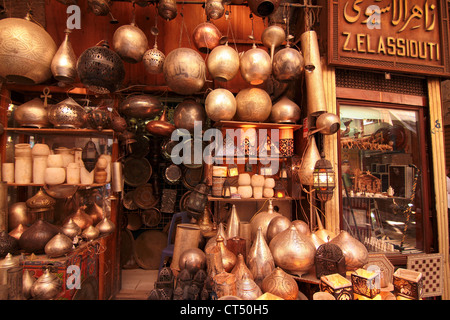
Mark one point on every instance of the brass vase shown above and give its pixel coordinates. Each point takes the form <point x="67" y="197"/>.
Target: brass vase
<point x="253" y="104"/>
<point x="233" y="223"/>
<point x="241" y="269"/>
<point x="46" y="287"/>
<point x="277" y="225"/>
<point x="220" y="104"/>
<point x="292" y="252"/>
<point x="229" y="259"/>
<point x="193" y="77"/>
<point x="247" y="289"/>
<point x="260" y="261"/>
<point x="58" y="246"/>
<point x="281" y="284"/>
<point x="262" y="220"/>
<point x="355" y="253"/>
<point x="26" y="51"/>
<point x="64" y="63"/>
<point x="213" y="240"/>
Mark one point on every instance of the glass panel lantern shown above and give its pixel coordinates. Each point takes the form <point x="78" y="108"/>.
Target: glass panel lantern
<point x="323" y="179"/>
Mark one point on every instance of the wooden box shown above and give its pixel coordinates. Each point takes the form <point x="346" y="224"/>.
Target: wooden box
<point x="408" y="284"/>
<point x="366" y="283"/>
<point x="83" y="257"/>
<point x="337" y="285"/>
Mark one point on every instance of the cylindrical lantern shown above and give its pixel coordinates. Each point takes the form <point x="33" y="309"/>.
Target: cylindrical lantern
<point x="323" y="179"/>
<point x="287" y="142"/>
<point x="316" y="102"/>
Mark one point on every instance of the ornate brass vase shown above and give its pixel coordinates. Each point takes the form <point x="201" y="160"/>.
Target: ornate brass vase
<point x="58" y="246"/>
<point x="241" y="269"/>
<point x="277" y="224"/>
<point x="281" y="284"/>
<point x="46" y="287"/>
<point x="262" y="220"/>
<point x="355" y="253"/>
<point x="260" y="261"/>
<point x="64" y="63"/>
<point x="247" y="289"/>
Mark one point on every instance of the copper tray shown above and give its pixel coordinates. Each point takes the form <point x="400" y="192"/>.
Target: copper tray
<point x="134" y="221"/>
<point x="128" y="201"/>
<point x="151" y="217"/>
<point x="136" y="171"/>
<point x="149" y="245"/>
<point x="141" y="148"/>
<point x="144" y="197"/>
<point x="172" y="174"/>
<point x="192" y="177"/>
<point x="184" y="198"/>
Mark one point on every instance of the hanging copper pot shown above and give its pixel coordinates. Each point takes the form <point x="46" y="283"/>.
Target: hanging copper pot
<point x="214" y="9"/>
<point x="71" y="229"/>
<point x="101" y="69"/>
<point x="161" y="127"/>
<point x="263" y="8"/>
<point x="141" y="106"/>
<point x="281" y="284"/>
<point x="26" y="51"/>
<point x="32" y="114"/>
<point x="253" y="104"/>
<point x="287" y="65"/>
<point x="355" y="253"/>
<point x="285" y="111"/>
<point x="46" y="287"/>
<point x="276" y="225"/>
<point x="184" y="71"/>
<point x="255" y="66"/>
<point x="315" y="101"/>
<point x="130" y="42"/>
<point x="64" y="63"/>
<point x="260" y="261"/>
<point x="58" y="246"/>
<point x="187" y="113"/>
<point x="167" y="9"/>
<point x="220" y="104"/>
<point x="206" y="37"/>
<point x="223" y="63"/>
<point x="34" y="239"/>
<point x="100" y="7"/>
<point x="8" y="244"/>
<point x="328" y="123"/>
<point x="292" y="252"/>
<point x="247" y="289"/>
<point x="272" y="37"/>
<point x="262" y="220"/>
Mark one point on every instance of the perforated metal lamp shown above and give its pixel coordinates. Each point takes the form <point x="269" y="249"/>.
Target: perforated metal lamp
<point x="324" y="179"/>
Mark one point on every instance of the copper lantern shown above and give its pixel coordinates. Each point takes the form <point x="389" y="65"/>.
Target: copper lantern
<point x="323" y="179"/>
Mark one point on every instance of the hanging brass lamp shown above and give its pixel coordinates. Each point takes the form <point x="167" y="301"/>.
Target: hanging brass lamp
<point x="64" y="63"/>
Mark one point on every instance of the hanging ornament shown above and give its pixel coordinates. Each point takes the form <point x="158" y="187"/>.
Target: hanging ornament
<point x="153" y="58"/>
<point x="90" y="155"/>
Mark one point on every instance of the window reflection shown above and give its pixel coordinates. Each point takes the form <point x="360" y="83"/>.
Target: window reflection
<point x="380" y="159"/>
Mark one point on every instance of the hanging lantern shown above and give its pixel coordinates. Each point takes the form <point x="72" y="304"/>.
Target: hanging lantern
<point x="226" y="189"/>
<point x="323" y="179"/>
<point x="130" y="42"/>
<point x="101" y="69"/>
<point x="167" y="9"/>
<point x="255" y="66"/>
<point x="214" y="9"/>
<point x="64" y="62"/>
<point x="198" y="199"/>
<point x="206" y="37"/>
<point x="90" y="155"/>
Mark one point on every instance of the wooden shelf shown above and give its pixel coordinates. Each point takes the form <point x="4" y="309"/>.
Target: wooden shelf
<point x="259" y="125"/>
<point x="210" y="198"/>
<point x="55" y="131"/>
<point x="94" y="185"/>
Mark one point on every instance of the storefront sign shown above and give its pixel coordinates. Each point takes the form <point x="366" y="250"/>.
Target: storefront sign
<point x="390" y="35"/>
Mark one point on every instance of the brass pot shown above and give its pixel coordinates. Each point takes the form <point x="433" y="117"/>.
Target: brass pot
<point x="193" y="259"/>
<point x="287" y="65"/>
<point x="206" y="37"/>
<point x="223" y="63"/>
<point x="32" y="114"/>
<point x="184" y="71"/>
<point x="34" y="239"/>
<point x="106" y="226"/>
<point x="58" y="246"/>
<point x="214" y="9"/>
<point x="281" y="284"/>
<point x="161" y="127"/>
<point x="64" y="63"/>
<point x="263" y="8"/>
<point x="167" y="9"/>
<point x="247" y="289"/>
<point x="220" y="104"/>
<point x="292" y="252"/>
<point x="142" y="106"/>
<point x="328" y="123"/>
<point x="17" y="214"/>
<point x="255" y="66"/>
<point x="253" y="104"/>
<point x="355" y="253"/>
<point x="26" y="51"/>
<point x="46" y="287"/>
<point x="71" y="229"/>
<point x="262" y="220"/>
<point x="130" y="43"/>
<point x="276" y="225"/>
<point x="90" y="233"/>
<point x="285" y="111"/>
<point x="187" y="113"/>
<point x="260" y="261"/>
<point x="40" y="202"/>
<point x="67" y="114"/>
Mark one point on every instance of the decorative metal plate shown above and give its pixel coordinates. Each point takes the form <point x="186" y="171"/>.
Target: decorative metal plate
<point x="136" y="171"/>
<point x="144" y="197"/>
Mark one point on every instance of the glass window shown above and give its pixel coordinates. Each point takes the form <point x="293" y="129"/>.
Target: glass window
<point x="380" y="162"/>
